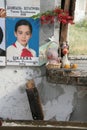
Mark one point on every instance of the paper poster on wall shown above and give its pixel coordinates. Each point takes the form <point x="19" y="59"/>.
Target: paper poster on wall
<point x="2" y="42"/>
<point x="23" y="8"/>
<point x="22" y="39"/>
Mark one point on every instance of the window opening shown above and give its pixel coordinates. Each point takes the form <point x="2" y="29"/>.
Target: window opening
<point x="77" y="34"/>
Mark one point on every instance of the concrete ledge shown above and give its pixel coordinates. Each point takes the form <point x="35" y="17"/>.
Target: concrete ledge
<point x="36" y="125"/>
<point x="66" y="76"/>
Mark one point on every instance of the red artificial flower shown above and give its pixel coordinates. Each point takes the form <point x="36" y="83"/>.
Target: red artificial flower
<point x="64" y="21"/>
<point x="70" y="18"/>
<point x="48" y="17"/>
<point x="58" y="14"/>
<point x="57" y="10"/>
<point x="52" y="20"/>
<point x="71" y="22"/>
<point x="43" y="17"/>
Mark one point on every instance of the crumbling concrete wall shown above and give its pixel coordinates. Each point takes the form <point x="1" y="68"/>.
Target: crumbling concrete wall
<point x="57" y="100"/>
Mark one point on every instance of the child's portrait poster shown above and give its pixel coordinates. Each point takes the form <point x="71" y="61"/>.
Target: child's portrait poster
<point x="22" y="41"/>
<point x="2" y="42"/>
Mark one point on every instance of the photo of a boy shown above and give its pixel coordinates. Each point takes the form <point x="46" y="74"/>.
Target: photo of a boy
<point x="22" y="41"/>
<point x="23" y="32"/>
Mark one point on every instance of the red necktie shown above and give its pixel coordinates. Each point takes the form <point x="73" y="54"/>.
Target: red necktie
<point x="26" y="53"/>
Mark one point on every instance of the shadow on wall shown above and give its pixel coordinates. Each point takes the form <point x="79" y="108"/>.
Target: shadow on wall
<point x="14" y="104"/>
<point x="80" y="113"/>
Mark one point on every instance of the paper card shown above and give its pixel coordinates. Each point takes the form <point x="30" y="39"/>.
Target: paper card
<point x="2" y="42"/>
<point x="22" y="8"/>
<point x="22" y="33"/>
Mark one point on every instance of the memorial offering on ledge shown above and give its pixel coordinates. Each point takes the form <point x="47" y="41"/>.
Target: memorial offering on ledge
<point x="53" y="60"/>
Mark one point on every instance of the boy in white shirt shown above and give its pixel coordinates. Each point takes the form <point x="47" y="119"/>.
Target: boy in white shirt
<point x="23" y="33"/>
